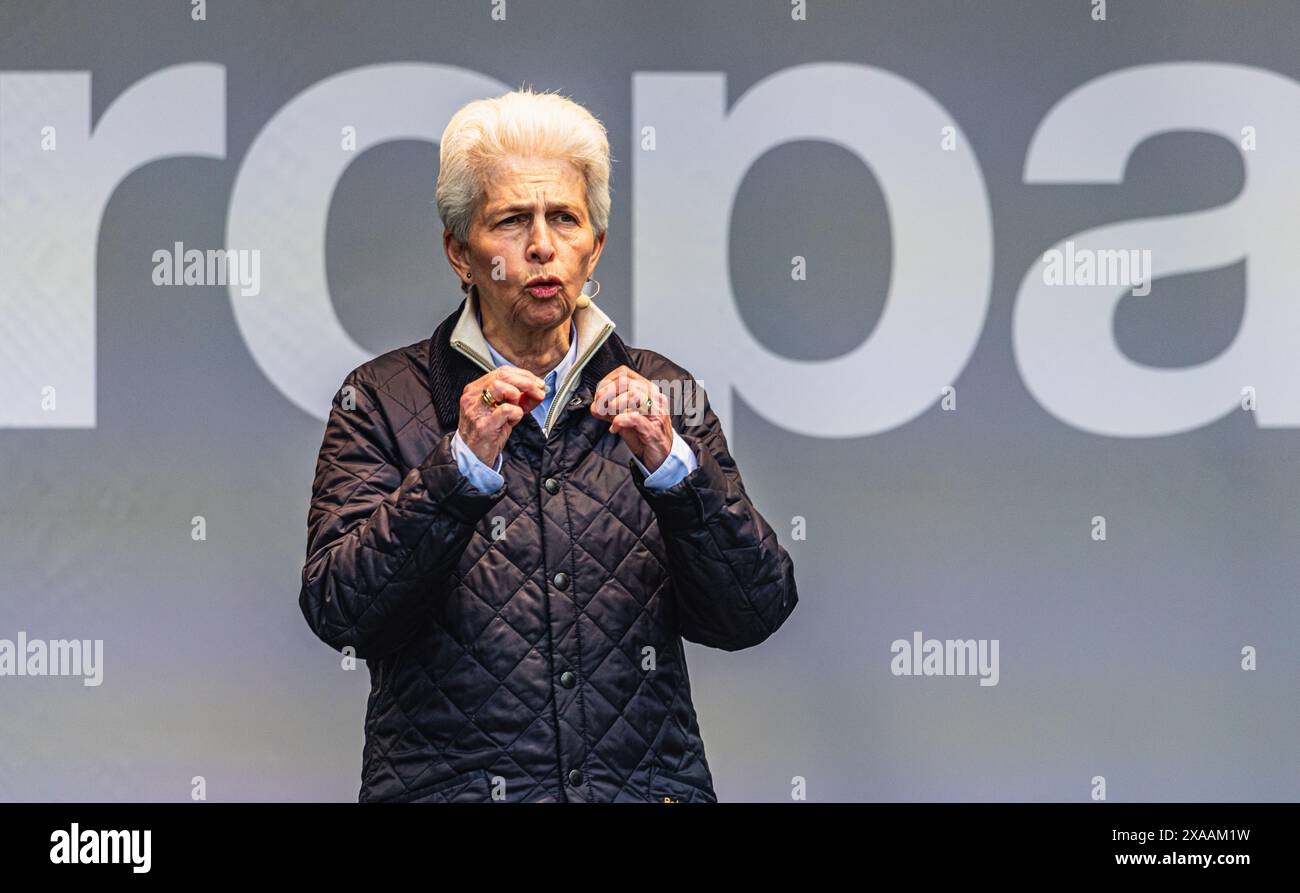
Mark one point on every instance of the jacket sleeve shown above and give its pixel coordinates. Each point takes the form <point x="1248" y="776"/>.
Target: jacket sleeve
<point x="734" y="582"/>
<point x="381" y="541"/>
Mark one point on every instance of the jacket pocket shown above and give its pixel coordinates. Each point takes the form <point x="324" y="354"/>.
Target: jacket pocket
<point x="469" y="787"/>
<point x="668" y="788"/>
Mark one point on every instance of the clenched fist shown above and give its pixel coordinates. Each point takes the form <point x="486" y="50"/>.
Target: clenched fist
<point x="646" y="427"/>
<point x="485" y="428"/>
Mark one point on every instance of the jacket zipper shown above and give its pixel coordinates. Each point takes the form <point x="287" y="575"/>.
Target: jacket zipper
<point x="465" y="349"/>
<point x="562" y="392"/>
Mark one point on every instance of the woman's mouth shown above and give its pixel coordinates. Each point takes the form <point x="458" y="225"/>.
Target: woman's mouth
<point x="544" y="289"/>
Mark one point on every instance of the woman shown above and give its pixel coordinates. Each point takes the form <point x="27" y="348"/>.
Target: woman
<point x="514" y="525"/>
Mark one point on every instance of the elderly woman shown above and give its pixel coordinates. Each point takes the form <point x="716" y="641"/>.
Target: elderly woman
<point x="513" y="523"/>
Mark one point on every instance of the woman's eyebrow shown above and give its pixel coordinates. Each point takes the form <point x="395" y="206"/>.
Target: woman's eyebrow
<point x="528" y="206"/>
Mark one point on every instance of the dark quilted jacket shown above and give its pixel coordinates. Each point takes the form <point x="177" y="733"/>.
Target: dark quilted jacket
<point x="526" y="645"/>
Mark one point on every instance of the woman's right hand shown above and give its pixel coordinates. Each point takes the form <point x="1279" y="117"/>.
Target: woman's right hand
<point x="485" y="429"/>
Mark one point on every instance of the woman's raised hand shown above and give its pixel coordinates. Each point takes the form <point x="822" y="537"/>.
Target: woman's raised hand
<point x="485" y="428"/>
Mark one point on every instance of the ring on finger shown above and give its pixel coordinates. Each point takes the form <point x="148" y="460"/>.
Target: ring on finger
<point x="489" y="399"/>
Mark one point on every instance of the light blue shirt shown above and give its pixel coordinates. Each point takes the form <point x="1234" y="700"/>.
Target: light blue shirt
<point x="680" y="461"/>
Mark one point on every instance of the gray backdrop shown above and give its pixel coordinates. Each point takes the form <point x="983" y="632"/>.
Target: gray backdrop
<point x="1120" y="658"/>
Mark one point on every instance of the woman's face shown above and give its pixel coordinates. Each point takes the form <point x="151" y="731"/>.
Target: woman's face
<point x="531" y="223"/>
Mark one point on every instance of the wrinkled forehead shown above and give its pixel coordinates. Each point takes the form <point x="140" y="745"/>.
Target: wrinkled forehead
<point x="517" y="183"/>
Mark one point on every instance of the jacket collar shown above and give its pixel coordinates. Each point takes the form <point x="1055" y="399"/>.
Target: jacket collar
<point x="458" y="354"/>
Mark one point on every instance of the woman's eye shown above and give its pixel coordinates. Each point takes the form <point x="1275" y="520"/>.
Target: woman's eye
<point x="563" y="214"/>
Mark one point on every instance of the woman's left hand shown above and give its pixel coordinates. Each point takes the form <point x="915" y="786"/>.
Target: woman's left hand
<point x="620" y="399"/>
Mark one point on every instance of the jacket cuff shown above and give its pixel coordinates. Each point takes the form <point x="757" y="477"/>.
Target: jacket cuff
<point x="451" y="489"/>
<point x="695" y="498"/>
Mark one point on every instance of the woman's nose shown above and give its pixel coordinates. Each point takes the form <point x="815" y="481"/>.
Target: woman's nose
<point x="542" y="246"/>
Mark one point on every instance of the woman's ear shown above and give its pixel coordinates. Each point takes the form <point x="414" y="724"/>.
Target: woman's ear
<point x="458" y="256"/>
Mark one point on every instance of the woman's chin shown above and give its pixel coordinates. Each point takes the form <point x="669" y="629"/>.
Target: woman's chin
<point x="547" y="311"/>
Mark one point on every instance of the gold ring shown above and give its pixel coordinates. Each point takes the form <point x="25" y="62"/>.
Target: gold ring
<point x="489" y="399"/>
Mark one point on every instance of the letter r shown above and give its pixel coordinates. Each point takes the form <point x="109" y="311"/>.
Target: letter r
<point x="51" y="204"/>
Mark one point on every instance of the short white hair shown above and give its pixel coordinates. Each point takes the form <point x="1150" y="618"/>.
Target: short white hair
<point x="524" y="123"/>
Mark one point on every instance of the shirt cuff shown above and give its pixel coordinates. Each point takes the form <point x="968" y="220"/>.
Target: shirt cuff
<point x="482" y="478"/>
<point x="681" y="461"/>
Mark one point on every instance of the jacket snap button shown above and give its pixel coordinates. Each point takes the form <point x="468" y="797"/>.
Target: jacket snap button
<point x="568" y="679"/>
<point x="575" y="777"/>
<point x="562" y="580"/>
<point x="552" y="485"/>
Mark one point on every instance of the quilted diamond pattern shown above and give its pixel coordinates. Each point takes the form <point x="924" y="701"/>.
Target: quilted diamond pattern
<point x="490" y="675"/>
